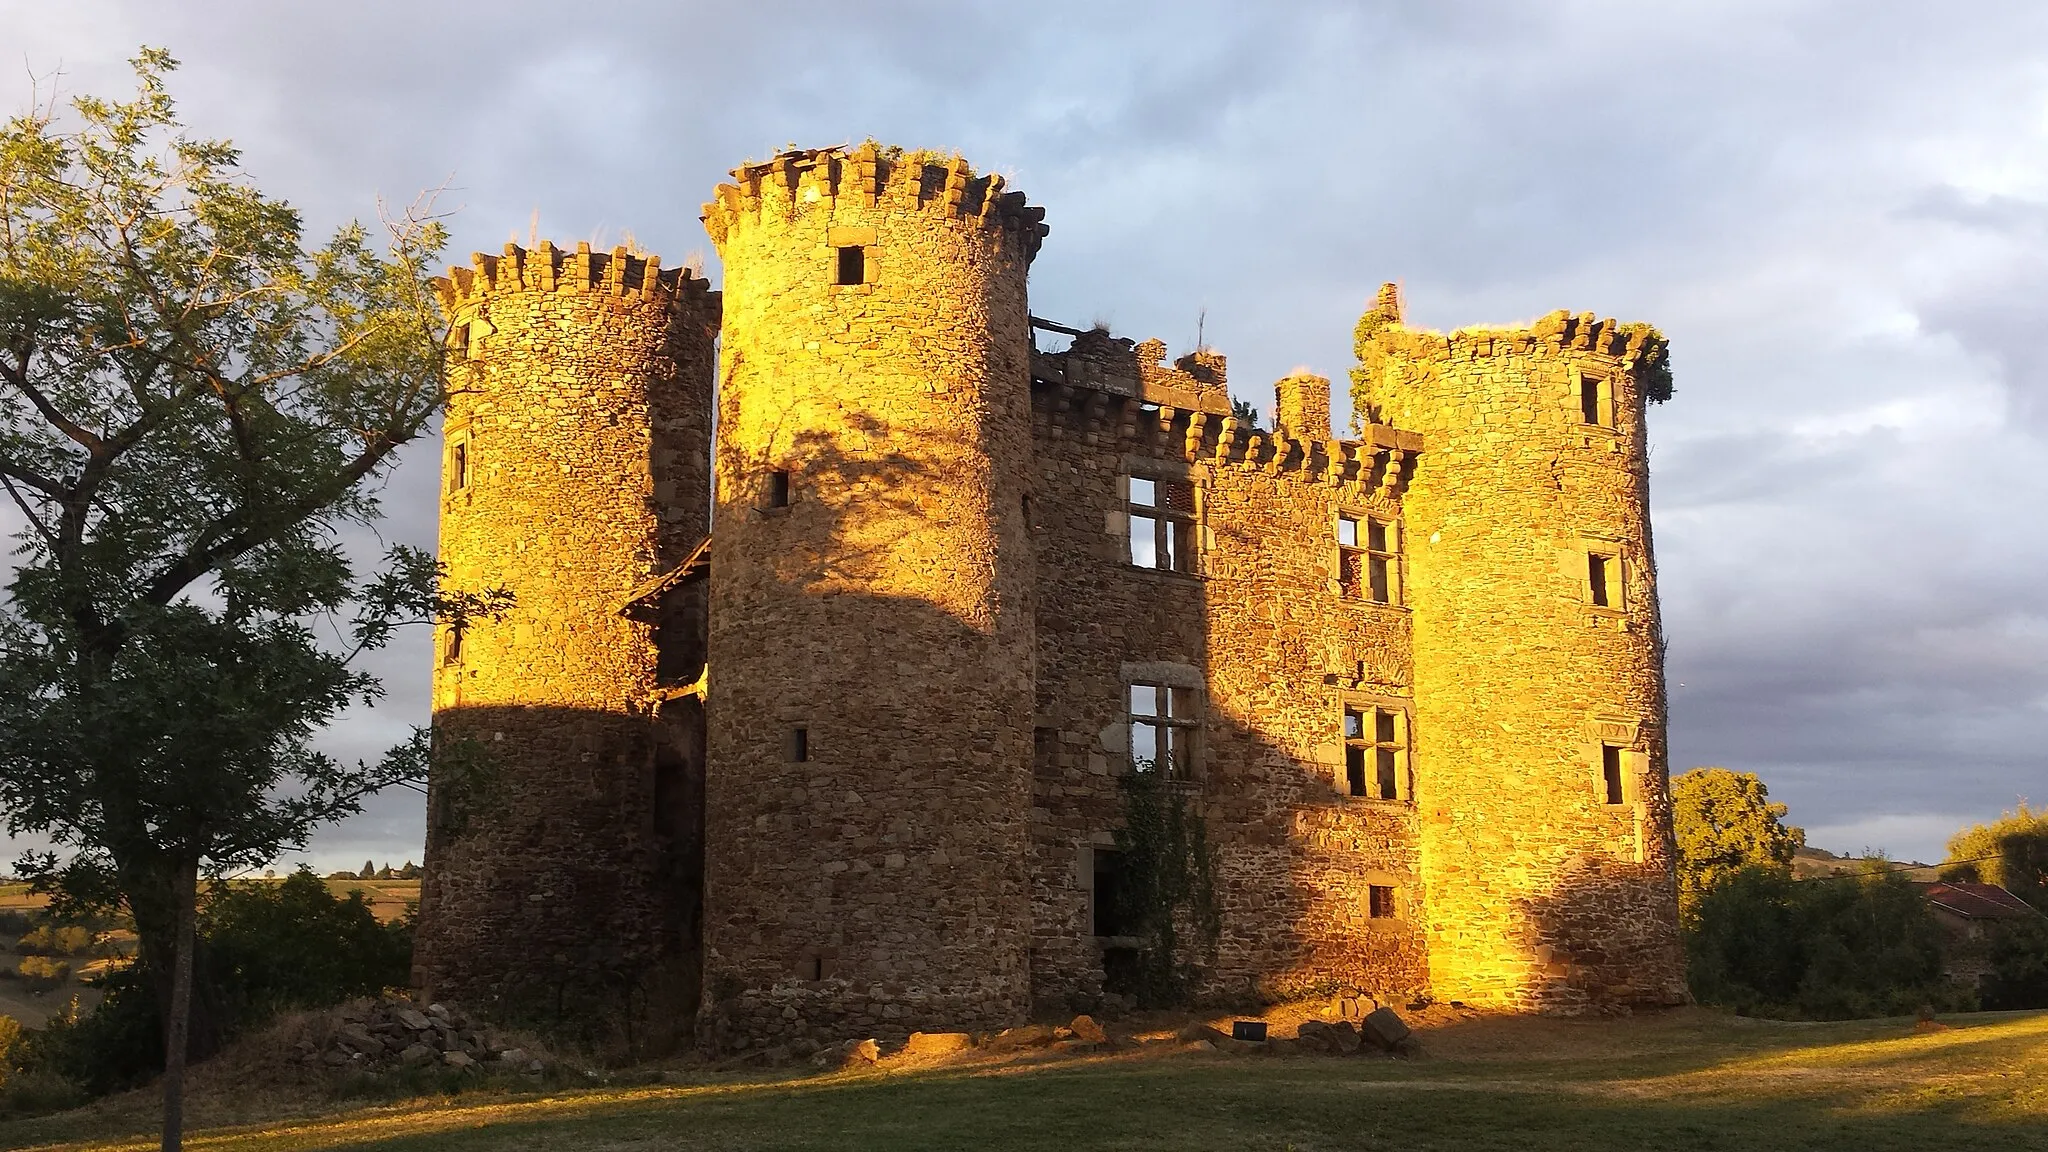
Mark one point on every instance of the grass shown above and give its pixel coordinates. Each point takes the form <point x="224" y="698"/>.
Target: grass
<point x="1689" y="1080"/>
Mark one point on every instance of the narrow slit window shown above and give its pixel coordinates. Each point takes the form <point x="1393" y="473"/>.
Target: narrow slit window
<point x="1379" y="901"/>
<point x="451" y="651"/>
<point x="1107" y="914"/>
<point x="853" y="264"/>
<point x="798" y="749"/>
<point x="458" y="466"/>
<point x="1600" y="579"/>
<point x="1374" y="747"/>
<point x="778" y="489"/>
<point x="1161" y="514"/>
<point x="1610" y="774"/>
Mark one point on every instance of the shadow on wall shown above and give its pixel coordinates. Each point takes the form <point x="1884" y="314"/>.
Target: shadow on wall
<point x="581" y="915"/>
<point x="1601" y="939"/>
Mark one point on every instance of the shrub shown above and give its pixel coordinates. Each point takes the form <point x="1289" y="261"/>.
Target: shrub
<point x="14" y="922"/>
<point x="296" y="945"/>
<point x="2011" y="851"/>
<point x="1832" y="949"/>
<point x="41" y="973"/>
<point x="52" y="940"/>
<point x="2019" y="965"/>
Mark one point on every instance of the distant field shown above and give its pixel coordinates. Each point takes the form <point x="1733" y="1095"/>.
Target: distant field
<point x="387" y="898"/>
<point x="1686" y="1080"/>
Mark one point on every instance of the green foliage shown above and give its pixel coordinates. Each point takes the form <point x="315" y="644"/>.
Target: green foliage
<point x="42" y="973"/>
<point x="55" y="940"/>
<point x="2019" y="965"/>
<point x="1247" y="413"/>
<point x="1724" y="822"/>
<point x="2017" y="845"/>
<point x="266" y="948"/>
<point x="1834" y="948"/>
<point x="294" y="944"/>
<point x="1167" y="889"/>
<point x="1384" y="313"/>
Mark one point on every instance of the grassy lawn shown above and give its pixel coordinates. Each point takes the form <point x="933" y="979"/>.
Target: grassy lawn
<point x="1684" y="1081"/>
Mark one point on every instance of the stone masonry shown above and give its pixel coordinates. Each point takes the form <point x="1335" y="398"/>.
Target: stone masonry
<point x="830" y="744"/>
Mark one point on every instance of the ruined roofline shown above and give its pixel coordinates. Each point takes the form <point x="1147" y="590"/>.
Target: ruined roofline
<point x="1637" y="348"/>
<point x="1379" y="460"/>
<point x="546" y="268"/>
<point x="871" y="174"/>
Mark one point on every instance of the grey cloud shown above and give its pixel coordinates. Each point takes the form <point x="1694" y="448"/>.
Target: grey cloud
<point x="1833" y="208"/>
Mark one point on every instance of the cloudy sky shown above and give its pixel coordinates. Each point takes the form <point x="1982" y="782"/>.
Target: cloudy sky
<point x="1837" y="209"/>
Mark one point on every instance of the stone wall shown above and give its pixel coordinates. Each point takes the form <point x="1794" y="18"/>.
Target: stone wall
<point x="1262" y="628"/>
<point x="576" y="451"/>
<point x="1542" y="894"/>
<point x="871" y="586"/>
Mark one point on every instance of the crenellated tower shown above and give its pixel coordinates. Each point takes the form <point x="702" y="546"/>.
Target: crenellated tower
<point x="563" y="825"/>
<point x="871" y="682"/>
<point x="1542" y="786"/>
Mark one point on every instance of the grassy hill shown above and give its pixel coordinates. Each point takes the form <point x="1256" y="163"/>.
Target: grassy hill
<point x="1683" y="1080"/>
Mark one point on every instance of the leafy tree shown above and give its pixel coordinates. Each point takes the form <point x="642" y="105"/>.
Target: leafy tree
<point x="195" y="401"/>
<point x="2011" y="851"/>
<point x="1247" y="413"/>
<point x="1724" y="822"/>
<point x="1837" y="947"/>
<point x="2019" y="965"/>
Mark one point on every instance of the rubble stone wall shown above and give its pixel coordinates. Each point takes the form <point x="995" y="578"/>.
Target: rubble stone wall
<point x="865" y="878"/>
<point x="1263" y="629"/>
<point x="575" y="458"/>
<point x="1542" y="894"/>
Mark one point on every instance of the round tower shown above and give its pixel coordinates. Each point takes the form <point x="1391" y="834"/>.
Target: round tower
<point x="1541" y="781"/>
<point x="871" y="685"/>
<point x="562" y="852"/>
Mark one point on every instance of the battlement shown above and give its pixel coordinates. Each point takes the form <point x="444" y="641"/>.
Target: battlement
<point x="1640" y="349"/>
<point x="870" y="175"/>
<point x="1108" y="390"/>
<point x="546" y="268"/>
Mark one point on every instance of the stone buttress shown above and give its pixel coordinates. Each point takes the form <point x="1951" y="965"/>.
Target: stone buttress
<point x="562" y="828"/>
<point x="871" y="675"/>
<point x="1539" y="731"/>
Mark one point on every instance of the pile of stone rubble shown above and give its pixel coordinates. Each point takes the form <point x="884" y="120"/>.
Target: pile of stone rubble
<point x="394" y="1032"/>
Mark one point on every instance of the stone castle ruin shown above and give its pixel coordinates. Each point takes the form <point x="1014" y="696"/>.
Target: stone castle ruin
<point x="813" y="725"/>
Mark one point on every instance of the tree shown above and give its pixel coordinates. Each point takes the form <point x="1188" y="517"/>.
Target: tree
<point x="1724" y="821"/>
<point x="2011" y="851"/>
<point x="1247" y="413"/>
<point x="195" y="402"/>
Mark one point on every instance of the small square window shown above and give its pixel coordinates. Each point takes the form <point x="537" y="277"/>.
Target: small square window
<point x="1596" y="401"/>
<point x="1600" y="583"/>
<point x="1611" y="778"/>
<point x="778" y="489"/>
<point x="1379" y="901"/>
<point x="853" y="264"/>
<point x="797" y="748"/>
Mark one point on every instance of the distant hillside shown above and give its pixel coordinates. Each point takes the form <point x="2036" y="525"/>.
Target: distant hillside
<point x="1821" y="862"/>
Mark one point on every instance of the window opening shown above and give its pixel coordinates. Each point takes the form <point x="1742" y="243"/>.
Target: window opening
<point x="1593" y="397"/>
<point x="778" y="489"/>
<point x="1163" y="722"/>
<point x="1109" y="914"/>
<point x="853" y="264"/>
<point x="458" y="466"/>
<point x="814" y="968"/>
<point x="1600" y="579"/>
<point x="1610" y="773"/>
<point x="799" y="749"/>
<point x="451" y="652"/>
<point x="1162" y="518"/>
<point x="1379" y="901"/>
<point x="1373" y="746"/>
<point x="1368" y="550"/>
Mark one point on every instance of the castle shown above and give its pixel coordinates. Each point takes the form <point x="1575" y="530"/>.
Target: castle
<point x="827" y="740"/>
